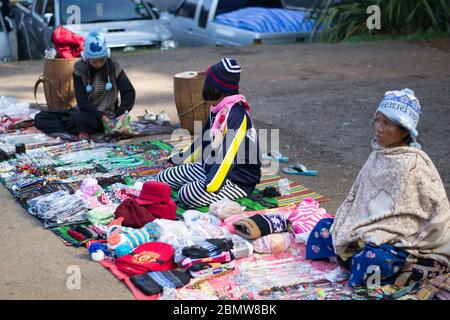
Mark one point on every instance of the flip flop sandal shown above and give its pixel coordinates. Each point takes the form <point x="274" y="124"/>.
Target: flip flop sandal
<point x="275" y="156"/>
<point x="300" y="170"/>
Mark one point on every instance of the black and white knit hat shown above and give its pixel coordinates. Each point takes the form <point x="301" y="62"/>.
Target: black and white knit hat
<point x="225" y="75"/>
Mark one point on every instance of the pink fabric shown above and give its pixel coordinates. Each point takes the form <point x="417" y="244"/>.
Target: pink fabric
<point x="223" y="110"/>
<point x="228" y="222"/>
<point x="306" y="216"/>
<point x="123" y="277"/>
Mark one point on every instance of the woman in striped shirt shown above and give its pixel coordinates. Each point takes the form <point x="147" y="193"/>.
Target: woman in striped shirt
<point x="97" y="81"/>
<point x="224" y="161"/>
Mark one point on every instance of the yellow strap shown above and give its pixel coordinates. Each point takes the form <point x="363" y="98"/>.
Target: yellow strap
<point x="221" y="174"/>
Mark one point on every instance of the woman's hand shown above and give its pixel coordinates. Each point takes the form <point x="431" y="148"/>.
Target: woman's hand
<point x="107" y="123"/>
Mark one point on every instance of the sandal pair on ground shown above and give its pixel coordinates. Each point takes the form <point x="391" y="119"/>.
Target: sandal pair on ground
<point x="159" y="118"/>
<point x="298" y="168"/>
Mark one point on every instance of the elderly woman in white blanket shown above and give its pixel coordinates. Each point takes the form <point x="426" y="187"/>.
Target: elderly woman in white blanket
<point x="396" y="218"/>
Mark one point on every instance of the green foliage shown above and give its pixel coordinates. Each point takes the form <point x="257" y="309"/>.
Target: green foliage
<point x="341" y="20"/>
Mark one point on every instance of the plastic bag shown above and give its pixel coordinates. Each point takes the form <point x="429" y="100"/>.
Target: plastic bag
<point x="121" y="124"/>
<point x="273" y="243"/>
<point x="176" y="234"/>
<point x="225" y="208"/>
<point x="201" y="230"/>
<point x="191" y="216"/>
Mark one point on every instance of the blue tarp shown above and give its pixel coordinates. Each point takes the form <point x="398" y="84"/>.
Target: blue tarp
<point x="268" y="20"/>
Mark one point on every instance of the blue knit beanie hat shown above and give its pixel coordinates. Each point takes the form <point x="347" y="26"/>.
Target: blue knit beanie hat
<point x="402" y="108"/>
<point x="225" y="75"/>
<point x="95" y="46"/>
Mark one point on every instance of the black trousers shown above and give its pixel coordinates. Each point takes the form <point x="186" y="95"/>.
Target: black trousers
<point x="71" y="121"/>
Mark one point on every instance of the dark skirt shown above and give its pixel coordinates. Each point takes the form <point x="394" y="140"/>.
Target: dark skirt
<point x="71" y="121"/>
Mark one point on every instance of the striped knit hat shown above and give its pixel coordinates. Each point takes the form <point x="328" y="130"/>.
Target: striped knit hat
<point x="225" y="75"/>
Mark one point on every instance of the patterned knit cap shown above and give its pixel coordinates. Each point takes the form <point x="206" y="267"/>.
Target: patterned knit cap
<point x="95" y="46"/>
<point x="225" y="75"/>
<point x="402" y="108"/>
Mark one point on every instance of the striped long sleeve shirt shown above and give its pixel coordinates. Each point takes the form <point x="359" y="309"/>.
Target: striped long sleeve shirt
<point x="237" y="159"/>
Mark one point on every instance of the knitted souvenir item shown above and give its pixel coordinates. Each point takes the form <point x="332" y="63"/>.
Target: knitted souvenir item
<point x="225" y="75"/>
<point x="273" y="243"/>
<point x="135" y="216"/>
<point x="228" y="222"/>
<point x="306" y="216"/>
<point x="86" y="232"/>
<point x="76" y="235"/>
<point x="95" y="46"/>
<point x="123" y="240"/>
<point x="155" y="282"/>
<point x="223" y="257"/>
<point x="101" y="216"/>
<point x="202" y="270"/>
<point x="208" y="248"/>
<point x="90" y="187"/>
<point x="151" y="256"/>
<point x="260" y="225"/>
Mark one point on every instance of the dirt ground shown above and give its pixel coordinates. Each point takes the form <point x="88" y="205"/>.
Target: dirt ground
<point x="321" y="97"/>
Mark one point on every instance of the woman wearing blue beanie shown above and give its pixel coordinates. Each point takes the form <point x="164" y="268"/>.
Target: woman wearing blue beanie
<point x="396" y="218"/>
<point x="97" y="82"/>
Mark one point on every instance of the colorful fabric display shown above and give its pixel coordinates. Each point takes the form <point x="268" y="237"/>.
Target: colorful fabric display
<point x="101" y="230"/>
<point x="58" y="208"/>
<point x="76" y="235"/>
<point x="202" y="270"/>
<point x="320" y="244"/>
<point x="419" y="269"/>
<point x="123" y="239"/>
<point x="222" y="257"/>
<point x="154" y="282"/>
<point x="305" y="217"/>
<point x="209" y="248"/>
<point x="89" y="187"/>
<point x="260" y="225"/>
<point x="121" y="124"/>
<point x="273" y="243"/>
<point x="154" y="202"/>
<point x="153" y="256"/>
<point x="387" y="259"/>
<point x="87" y="232"/>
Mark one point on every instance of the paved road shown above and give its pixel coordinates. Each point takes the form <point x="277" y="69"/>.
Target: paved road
<point x="321" y="97"/>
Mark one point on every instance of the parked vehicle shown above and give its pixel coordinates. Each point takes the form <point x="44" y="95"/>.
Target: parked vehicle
<point x="164" y="5"/>
<point x="5" y="45"/>
<point x="239" y="22"/>
<point x="126" y="23"/>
